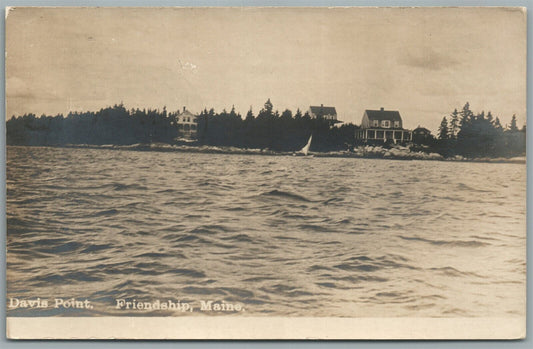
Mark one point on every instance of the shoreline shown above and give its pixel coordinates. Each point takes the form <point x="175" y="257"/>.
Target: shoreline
<point x="361" y="152"/>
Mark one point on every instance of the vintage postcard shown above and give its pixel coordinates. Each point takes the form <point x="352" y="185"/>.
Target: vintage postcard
<point x="266" y="173"/>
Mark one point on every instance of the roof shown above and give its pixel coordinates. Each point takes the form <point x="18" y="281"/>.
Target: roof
<point x="421" y="129"/>
<point x="321" y="110"/>
<point x="393" y="115"/>
<point x="186" y="113"/>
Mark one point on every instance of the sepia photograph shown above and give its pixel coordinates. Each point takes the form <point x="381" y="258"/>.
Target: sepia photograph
<point x="266" y="172"/>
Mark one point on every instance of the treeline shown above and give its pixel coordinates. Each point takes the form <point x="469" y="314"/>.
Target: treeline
<point x="113" y="125"/>
<point x="119" y="126"/>
<point x="460" y="133"/>
<point x="272" y="130"/>
<point x="479" y="135"/>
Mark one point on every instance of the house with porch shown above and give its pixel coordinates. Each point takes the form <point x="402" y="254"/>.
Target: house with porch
<point x="187" y="124"/>
<point x="383" y="125"/>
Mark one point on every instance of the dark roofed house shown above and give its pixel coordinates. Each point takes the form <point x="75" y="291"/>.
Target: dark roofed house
<point x="321" y="112"/>
<point x="383" y="125"/>
<point x="422" y="131"/>
<point x="421" y="135"/>
<point x="381" y="119"/>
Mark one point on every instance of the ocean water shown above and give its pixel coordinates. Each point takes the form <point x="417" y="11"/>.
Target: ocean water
<point x="279" y="235"/>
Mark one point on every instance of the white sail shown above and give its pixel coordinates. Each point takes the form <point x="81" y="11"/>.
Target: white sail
<point x="305" y="149"/>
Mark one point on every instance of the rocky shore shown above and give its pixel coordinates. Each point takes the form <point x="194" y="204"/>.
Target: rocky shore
<point x="372" y="152"/>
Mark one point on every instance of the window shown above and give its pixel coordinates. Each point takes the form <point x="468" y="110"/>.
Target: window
<point x="385" y="123"/>
<point x="396" y="124"/>
<point x="375" y="123"/>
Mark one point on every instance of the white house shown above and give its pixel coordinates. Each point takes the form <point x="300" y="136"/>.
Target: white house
<point x="187" y="124"/>
<point x="321" y="112"/>
<point x="383" y="125"/>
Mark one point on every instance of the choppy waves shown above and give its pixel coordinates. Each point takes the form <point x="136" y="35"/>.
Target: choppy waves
<point x="288" y="236"/>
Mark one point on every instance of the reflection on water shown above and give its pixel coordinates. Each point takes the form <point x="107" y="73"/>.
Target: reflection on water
<point x="284" y="236"/>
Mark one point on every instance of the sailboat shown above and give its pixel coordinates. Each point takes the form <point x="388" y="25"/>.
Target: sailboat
<point x="305" y="149"/>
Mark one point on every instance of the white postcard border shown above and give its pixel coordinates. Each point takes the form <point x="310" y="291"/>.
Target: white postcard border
<point x="283" y="328"/>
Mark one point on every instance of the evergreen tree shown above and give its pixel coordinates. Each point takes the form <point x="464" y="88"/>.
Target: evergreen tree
<point x="513" y="127"/>
<point x="515" y="140"/>
<point x="466" y="115"/>
<point x="268" y="106"/>
<point x="454" y="124"/>
<point x="497" y="124"/>
<point x="249" y="115"/>
<point x="232" y="113"/>
<point x="490" y="118"/>
<point x="443" y="129"/>
<point x="266" y="111"/>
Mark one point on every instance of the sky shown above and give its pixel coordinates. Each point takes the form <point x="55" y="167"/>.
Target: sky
<point x="423" y="62"/>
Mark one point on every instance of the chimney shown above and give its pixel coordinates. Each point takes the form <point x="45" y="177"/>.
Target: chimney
<point x="382" y="109"/>
<point x="322" y="106"/>
<point x="184" y="109"/>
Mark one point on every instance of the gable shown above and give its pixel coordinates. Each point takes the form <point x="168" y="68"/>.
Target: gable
<point x="321" y="111"/>
<point x="421" y="130"/>
<point x="392" y="115"/>
<point x="387" y="119"/>
<point x="187" y="113"/>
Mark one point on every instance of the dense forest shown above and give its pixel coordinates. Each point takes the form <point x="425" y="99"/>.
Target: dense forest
<point x="478" y="135"/>
<point x="272" y="130"/>
<point x="461" y="133"/>
<point x="119" y="126"/>
<point x="113" y="125"/>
